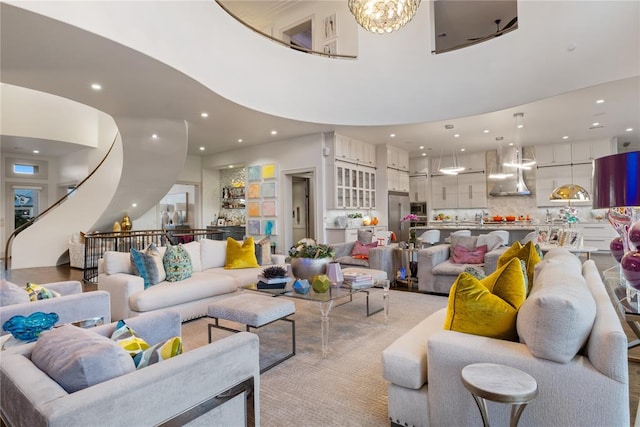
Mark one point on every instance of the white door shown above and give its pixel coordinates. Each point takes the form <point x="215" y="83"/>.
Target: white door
<point x="300" y="203"/>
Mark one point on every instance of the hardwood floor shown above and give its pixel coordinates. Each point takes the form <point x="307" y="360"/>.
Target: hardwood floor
<point x="64" y="272"/>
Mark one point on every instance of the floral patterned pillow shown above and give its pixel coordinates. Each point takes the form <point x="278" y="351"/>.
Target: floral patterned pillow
<point x="177" y="263"/>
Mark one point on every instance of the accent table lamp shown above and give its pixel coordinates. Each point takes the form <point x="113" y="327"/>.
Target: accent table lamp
<point x="616" y="185"/>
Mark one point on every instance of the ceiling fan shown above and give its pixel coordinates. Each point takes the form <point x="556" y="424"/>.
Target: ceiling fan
<point x="499" y="31"/>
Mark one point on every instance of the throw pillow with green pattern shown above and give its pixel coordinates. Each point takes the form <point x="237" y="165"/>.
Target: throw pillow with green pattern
<point x="142" y="353"/>
<point x="177" y="263"/>
<point x="37" y="292"/>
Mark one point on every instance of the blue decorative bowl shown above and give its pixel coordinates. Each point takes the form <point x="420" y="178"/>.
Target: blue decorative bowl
<point x="29" y="328"/>
<point x="301" y="286"/>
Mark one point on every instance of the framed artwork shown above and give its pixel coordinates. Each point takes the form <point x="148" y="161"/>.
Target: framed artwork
<point x="330" y="48"/>
<point x="269" y="189"/>
<point x="253" y="226"/>
<point x="253" y="209"/>
<point x="269" y="226"/>
<point x="269" y="208"/>
<point x="269" y="171"/>
<point x="330" y="30"/>
<point x="253" y="173"/>
<point x="253" y="191"/>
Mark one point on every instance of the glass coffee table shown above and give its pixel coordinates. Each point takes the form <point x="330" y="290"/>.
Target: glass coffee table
<point x="626" y="300"/>
<point x="328" y="300"/>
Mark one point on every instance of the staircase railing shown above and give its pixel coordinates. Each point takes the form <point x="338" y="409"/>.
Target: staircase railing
<point x="29" y="223"/>
<point x="96" y="244"/>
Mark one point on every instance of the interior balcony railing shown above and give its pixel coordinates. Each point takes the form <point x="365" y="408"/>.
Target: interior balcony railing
<point x="282" y="42"/>
<point x="97" y="243"/>
<point x="29" y="223"/>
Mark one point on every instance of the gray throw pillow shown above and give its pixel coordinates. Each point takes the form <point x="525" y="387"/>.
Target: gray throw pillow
<point x="10" y="294"/>
<point x="469" y="242"/>
<point x="77" y="358"/>
<point x="364" y="236"/>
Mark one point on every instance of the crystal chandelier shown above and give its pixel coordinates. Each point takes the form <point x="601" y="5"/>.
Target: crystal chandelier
<point x="383" y="16"/>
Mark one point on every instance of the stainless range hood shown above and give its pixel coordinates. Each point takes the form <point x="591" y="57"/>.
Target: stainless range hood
<point x="511" y="186"/>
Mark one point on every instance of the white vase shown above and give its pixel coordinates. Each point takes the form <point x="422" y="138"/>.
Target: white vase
<point x="175" y="218"/>
<point x="334" y="272"/>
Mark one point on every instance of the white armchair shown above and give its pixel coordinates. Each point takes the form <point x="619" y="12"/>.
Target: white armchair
<point x="73" y="306"/>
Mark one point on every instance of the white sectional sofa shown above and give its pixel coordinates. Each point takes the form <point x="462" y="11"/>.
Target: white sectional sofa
<point x="570" y="340"/>
<point x="190" y="297"/>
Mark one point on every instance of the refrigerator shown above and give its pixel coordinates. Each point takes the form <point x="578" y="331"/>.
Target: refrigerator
<point x="399" y="207"/>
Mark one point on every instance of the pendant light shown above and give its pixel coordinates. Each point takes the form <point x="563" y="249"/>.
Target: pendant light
<point x="519" y="161"/>
<point x="454" y="168"/>
<point x="383" y="16"/>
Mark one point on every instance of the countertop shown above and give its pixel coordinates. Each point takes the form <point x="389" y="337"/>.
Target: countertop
<point x="514" y="225"/>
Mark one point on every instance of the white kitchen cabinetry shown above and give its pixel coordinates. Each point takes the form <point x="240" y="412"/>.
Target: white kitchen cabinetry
<point x="596" y="234"/>
<point x="352" y="150"/>
<point x="419" y="166"/>
<point x="398" y="180"/>
<point x="354" y="186"/>
<point x="473" y="162"/>
<point x="397" y="158"/>
<point x="472" y="190"/>
<point x="553" y="154"/>
<point x="586" y="151"/>
<point x="444" y="191"/>
<point x="547" y="179"/>
<point x="418" y="188"/>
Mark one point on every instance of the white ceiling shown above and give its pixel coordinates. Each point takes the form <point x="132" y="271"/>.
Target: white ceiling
<point x="47" y="55"/>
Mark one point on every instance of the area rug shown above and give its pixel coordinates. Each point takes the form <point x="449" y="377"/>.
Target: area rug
<point x="347" y="388"/>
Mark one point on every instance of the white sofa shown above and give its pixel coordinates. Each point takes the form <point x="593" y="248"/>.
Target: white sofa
<point x="587" y="387"/>
<point x="190" y="297"/>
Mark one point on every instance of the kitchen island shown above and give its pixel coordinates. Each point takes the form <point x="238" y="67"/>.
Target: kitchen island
<point x="517" y="229"/>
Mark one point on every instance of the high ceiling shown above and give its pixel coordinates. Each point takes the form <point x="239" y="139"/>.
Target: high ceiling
<point x="46" y="55"/>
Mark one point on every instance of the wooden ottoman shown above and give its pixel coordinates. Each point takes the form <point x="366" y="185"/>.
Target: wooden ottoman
<point x="254" y="311"/>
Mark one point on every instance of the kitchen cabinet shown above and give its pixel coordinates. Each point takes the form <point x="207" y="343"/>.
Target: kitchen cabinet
<point x="351" y="150"/>
<point x="473" y="162"/>
<point x="472" y="190"/>
<point x="465" y="190"/>
<point x="398" y="180"/>
<point x="444" y="191"/>
<point x="586" y="151"/>
<point x="397" y="158"/>
<point x="553" y="154"/>
<point x="596" y="234"/>
<point x="354" y="186"/>
<point x="419" y="166"/>
<point x="418" y="188"/>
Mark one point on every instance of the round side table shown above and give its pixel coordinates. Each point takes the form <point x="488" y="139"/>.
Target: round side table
<point x="499" y="383"/>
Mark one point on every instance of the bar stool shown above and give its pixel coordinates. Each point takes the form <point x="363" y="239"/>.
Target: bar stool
<point x="499" y="383"/>
<point x="430" y="237"/>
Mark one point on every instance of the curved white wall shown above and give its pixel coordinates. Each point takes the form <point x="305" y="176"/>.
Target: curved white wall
<point x="395" y="78"/>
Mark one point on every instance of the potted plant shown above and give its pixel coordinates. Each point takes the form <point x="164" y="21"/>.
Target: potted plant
<point x="309" y="258"/>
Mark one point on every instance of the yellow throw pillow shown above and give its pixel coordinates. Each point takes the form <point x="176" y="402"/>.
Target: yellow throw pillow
<point x="37" y="292"/>
<point x="240" y="255"/>
<point x="527" y="253"/>
<point x="488" y="306"/>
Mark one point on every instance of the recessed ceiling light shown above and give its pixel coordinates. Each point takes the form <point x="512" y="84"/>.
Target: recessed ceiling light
<point x="600" y="101"/>
<point x="154" y="136"/>
<point x="240" y="140"/>
<point x="595" y="124"/>
<point x="274" y="132"/>
<point x="486" y="131"/>
<point x="202" y="148"/>
<point x="230" y="166"/>
<point x="204" y="114"/>
<point x="36" y="151"/>
<point x="96" y="86"/>
<point x="463" y="149"/>
<point x="457" y="135"/>
<point x="565" y="137"/>
<point x="424" y="154"/>
<point x="421" y="147"/>
<point x="629" y="129"/>
<point x="393" y="135"/>
<point x="134" y="205"/>
<point x="511" y="144"/>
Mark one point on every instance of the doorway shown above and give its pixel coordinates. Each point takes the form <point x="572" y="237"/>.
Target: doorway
<point x="300" y="203"/>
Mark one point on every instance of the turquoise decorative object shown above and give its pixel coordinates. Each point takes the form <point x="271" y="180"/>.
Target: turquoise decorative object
<point x="29" y="328"/>
<point x="321" y="283"/>
<point x="302" y="286"/>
